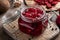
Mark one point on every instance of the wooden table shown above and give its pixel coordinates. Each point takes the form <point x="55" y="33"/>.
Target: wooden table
<point x="57" y="38"/>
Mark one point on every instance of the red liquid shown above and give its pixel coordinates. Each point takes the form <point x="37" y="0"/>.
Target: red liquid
<point x="33" y="28"/>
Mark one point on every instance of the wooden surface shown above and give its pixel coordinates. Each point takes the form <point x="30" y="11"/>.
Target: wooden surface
<point x="13" y="30"/>
<point x="57" y="38"/>
<point x="18" y="32"/>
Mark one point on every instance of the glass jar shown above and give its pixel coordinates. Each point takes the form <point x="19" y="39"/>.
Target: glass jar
<point x="33" y="21"/>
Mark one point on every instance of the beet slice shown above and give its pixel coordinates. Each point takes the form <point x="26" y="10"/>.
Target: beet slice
<point x="50" y="1"/>
<point x="48" y="5"/>
<point x="58" y="0"/>
<point x="54" y="2"/>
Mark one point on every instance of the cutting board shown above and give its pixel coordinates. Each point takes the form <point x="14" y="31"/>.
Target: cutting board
<point x="13" y="30"/>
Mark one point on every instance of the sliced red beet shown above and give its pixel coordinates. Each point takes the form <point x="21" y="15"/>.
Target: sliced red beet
<point x="58" y="0"/>
<point x="45" y="0"/>
<point x="50" y="1"/>
<point x="54" y="2"/>
<point x="39" y="11"/>
<point x="42" y="2"/>
<point x="48" y="5"/>
<point x="32" y="12"/>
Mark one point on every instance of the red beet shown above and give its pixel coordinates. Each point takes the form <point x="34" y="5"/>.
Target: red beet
<point x="50" y="1"/>
<point x="33" y="12"/>
<point x="33" y="28"/>
<point x="54" y="2"/>
<point x="58" y="21"/>
<point x="40" y="2"/>
<point x="58" y="0"/>
<point x="48" y="5"/>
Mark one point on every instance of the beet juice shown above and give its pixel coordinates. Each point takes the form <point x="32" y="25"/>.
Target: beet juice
<point x="33" y="21"/>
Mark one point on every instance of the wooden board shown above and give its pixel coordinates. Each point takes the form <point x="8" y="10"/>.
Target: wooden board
<point x="13" y="30"/>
